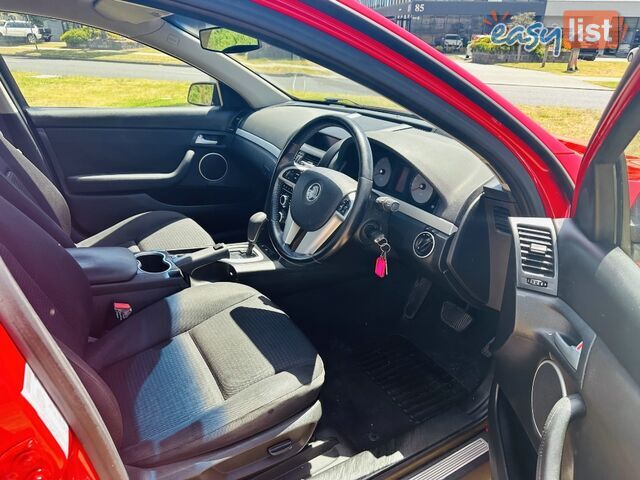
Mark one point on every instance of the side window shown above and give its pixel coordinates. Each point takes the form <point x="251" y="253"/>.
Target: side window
<point x="632" y="153"/>
<point x="72" y="65"/>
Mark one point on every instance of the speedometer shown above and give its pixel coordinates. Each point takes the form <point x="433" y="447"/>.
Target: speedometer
<point x="382" y="172"/>
<point x="421" y="190"/>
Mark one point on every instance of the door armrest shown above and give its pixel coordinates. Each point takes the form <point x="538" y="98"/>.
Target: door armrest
<point x="120" y="182"/>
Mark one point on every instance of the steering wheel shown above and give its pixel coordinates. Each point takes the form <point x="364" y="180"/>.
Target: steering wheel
<point x="314" y="211"/>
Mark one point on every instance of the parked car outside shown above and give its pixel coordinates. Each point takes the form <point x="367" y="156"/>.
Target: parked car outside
<point x="452" y="42"/>
<point x="20" y="30"/>
<point x="46" y="33"/>
<point x="632" y="53"/>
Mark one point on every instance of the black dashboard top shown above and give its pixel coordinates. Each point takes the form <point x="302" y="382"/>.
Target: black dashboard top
<point x="426" y="169"/>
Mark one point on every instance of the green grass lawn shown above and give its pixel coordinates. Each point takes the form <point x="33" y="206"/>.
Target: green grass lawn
<point x="572" y="123"/>
<point x="78" y="91"/>
<point x="611" y="85"/>
<point x="586" y="69"/>
<point x="576" y="124"/>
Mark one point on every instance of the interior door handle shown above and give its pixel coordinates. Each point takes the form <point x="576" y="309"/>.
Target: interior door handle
<point x="553" y="434"/>
<point x="201" y="140"/>
<point x="570" y="353"/>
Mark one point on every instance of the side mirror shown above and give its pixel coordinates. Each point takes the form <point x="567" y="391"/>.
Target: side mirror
<point x="204" y="94"/>
<point x="222" y="40"/>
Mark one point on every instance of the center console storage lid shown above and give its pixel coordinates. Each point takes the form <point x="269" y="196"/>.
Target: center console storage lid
<point x="106" y="264"/>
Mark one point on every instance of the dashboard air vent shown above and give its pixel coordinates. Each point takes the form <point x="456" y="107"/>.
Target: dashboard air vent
<point x="303" y="158"/>
<point x="536" y="250"/>
<point x="535" y="242"/>
<point x="501" y="219"/>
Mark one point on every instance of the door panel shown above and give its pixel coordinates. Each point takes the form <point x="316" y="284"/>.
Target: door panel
<point x="113" y="163"/>
<point x="597" y="305"/>
<point x="588" y="331"/>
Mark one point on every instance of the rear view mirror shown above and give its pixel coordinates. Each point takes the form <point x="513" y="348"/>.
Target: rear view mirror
<point x="204" y="94"/>
<point x="222" y="40"/>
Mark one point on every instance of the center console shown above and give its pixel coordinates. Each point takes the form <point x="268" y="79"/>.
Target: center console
<point x="245" y="261"/>
<point x="123" y="281"/>
<point x="117" y="275"/>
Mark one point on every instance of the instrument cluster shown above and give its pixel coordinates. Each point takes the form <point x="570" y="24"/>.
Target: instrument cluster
<point x="394" y="177"/>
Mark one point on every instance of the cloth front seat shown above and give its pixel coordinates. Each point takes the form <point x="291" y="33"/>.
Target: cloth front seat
<point x="200" y="370"/>
<point x="159" y="230"/>
<point x="204" y="369"/>
<point x="156" y="230"/>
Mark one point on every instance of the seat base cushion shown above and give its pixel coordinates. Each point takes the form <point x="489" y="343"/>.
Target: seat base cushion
<point x="203" y="369"/>
<point x="157" y="230"/>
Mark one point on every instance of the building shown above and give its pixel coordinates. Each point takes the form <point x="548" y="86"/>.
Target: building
<point x="431" y="20"/>
<point x="628" y="10"/>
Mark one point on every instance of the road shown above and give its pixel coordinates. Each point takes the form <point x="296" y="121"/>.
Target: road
<point x="531" y="87"/>
<point x="522" y="87"/>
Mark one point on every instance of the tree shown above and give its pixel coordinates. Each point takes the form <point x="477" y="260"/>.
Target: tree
<point x="523" y="19"/>
<point x="36" y="20"/>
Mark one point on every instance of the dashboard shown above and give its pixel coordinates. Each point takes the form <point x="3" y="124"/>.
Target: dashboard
<point x="452" y="209"/>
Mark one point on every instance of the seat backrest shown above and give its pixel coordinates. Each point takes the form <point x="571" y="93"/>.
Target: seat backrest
<point x="59" y="292"/>
<point x="50" y="278"/>
<point x="35" y="185"/>
<point x="28" y="207"/>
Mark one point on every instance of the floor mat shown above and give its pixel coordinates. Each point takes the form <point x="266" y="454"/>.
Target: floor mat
<point x="413" y="382"/>
<point x="381" y="389"/>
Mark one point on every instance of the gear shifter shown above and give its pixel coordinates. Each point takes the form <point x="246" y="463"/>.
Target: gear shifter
<point x="256" y="222"/>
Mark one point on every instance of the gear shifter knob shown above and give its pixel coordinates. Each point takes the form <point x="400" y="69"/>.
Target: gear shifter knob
<point x="256" y="222"/>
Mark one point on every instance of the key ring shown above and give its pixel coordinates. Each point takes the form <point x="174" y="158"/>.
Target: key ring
<point x="383" y="244"/>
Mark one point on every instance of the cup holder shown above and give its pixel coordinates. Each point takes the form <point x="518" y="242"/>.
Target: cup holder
<point x="154" y="262"/>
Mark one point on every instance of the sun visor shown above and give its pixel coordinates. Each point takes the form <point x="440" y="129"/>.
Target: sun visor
<point x="121" y="11"/>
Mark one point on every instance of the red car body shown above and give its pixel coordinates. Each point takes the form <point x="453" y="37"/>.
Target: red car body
<point x="26" y="443"/>
<point x="28" y="450"/>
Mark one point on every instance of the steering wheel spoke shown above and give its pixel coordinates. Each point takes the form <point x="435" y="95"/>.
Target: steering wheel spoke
<point x="311" y="241"/>
<point x="291" y="230"/>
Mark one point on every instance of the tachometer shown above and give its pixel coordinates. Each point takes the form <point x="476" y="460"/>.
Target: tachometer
<point x="382" y="172"/>
<point x="421" y="190"/>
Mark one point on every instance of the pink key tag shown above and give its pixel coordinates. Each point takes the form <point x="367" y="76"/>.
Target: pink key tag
<point x="381" y="267"/>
